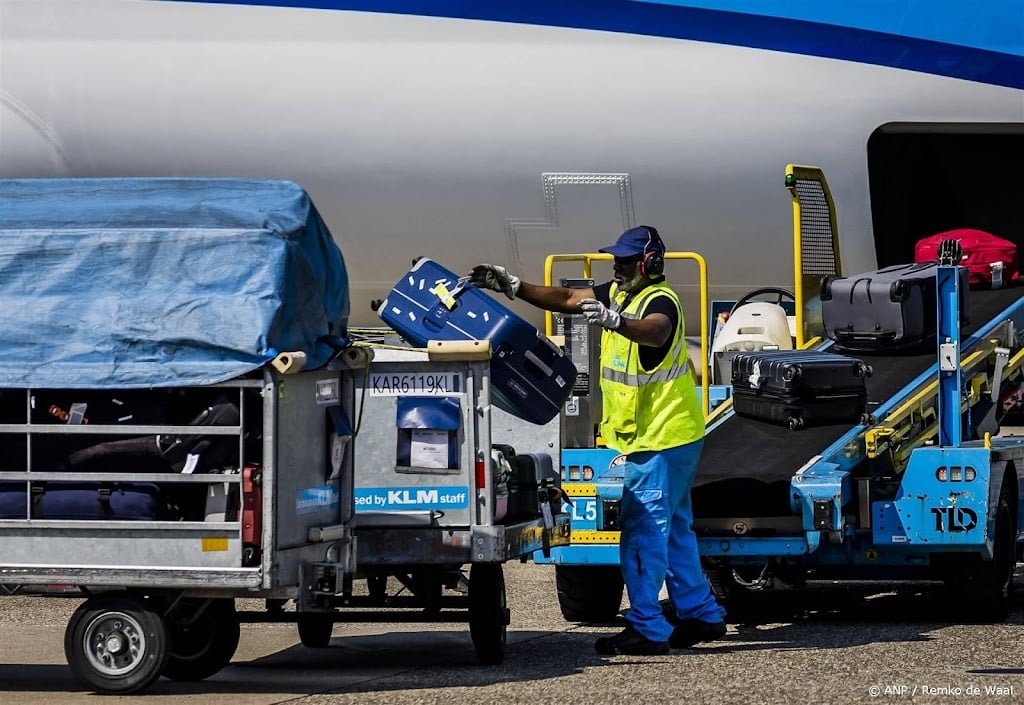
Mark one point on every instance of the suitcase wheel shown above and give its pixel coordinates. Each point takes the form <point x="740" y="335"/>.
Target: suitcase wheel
<point x="795" y="423"/>
<point x="865" y="371"/>
<point x="867" y="419"/>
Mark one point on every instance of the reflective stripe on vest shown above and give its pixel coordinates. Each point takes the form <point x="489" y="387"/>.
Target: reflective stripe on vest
<point x="647" y="410"/>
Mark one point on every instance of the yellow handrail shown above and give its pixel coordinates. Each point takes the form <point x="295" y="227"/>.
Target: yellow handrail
<point x="702" y="266"/>
<point x="795" y="174"/>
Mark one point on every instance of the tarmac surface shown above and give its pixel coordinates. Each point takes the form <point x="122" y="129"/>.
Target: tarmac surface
<point x="827" y="643"/>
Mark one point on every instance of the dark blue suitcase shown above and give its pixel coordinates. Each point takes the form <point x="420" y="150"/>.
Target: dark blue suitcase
<point x="530" y="376"/>
<point x="114" y="501"/>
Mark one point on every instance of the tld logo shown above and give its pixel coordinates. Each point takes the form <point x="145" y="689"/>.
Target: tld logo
<point x="954" y="520"/>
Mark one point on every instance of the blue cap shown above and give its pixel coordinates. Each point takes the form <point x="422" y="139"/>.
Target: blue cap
<point x="636" y="241"/>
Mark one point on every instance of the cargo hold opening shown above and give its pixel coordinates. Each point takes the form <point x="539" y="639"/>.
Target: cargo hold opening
<point x="925" y="178"/>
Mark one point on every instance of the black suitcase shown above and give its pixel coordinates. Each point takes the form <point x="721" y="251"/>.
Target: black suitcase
<point x="888" y="309"/>
<point x="115" y="501"/>
<point x="797" y="388"/>
<point x="531" y="473"/>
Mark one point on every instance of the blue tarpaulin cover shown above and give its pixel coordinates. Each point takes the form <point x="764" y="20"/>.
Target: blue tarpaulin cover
<point x="162" y="282"/>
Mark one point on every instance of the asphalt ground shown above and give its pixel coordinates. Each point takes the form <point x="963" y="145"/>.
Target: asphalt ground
<point x="827" y="643"/>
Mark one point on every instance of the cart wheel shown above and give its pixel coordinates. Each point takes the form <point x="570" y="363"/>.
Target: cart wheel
<point x="488" y="612"/>
<point x="589" y="593"/>
<point x="203" y="643"/>
<point x="315" y="629"/>
<point x="116" y="644"/>
<point x="994" y="582"/>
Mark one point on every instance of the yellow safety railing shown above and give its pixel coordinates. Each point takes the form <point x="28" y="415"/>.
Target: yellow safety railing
<point x="915" y="421"/>
<point x="815" y="244"/>
<point x="589" y="258"/>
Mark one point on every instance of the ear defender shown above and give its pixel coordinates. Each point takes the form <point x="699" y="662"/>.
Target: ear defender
<point x="652" y="264"/>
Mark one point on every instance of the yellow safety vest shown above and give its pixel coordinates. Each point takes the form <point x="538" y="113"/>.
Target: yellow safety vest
<point x="647" y="409"/>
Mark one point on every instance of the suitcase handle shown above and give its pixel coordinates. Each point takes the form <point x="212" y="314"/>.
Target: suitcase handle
<point x="536" y="362"/>
<point x="844" y="334"/>
<point x="867" y="288"/>
<point x="437" y="317"/>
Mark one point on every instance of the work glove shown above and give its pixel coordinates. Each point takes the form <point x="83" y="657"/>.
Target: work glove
<point x="495" y="278"/>
<point x="599" y="314"/>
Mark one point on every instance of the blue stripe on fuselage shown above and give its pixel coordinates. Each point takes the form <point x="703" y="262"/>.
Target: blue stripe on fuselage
<point x="846" y="31"/>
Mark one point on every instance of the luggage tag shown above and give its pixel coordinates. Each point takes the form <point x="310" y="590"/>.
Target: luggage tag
<point x="438" y="315"/>
<point x="755" y="377"/>
<point x="447" y="297"/>
<point x="997" y="274"/>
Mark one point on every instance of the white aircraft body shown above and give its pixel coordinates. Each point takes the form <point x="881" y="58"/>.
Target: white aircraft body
<point x="509" y="130"/>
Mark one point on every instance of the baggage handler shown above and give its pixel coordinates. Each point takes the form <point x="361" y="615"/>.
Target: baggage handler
<point x="652" y="414"/>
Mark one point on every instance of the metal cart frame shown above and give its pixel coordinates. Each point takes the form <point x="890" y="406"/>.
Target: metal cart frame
<point x="161" y="592"/>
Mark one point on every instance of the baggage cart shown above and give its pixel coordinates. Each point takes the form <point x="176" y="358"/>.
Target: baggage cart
<point x="274" y="523"/>
<point x="175" y="389"/>
<point x="433" y="461"/>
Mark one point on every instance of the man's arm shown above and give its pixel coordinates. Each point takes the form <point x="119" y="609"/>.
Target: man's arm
<point x="551" y="298"/>
<point x="653" y="329"/>
<point x="554" y="298"/>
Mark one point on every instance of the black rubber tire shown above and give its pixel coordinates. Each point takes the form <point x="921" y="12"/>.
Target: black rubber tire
<point x="204" y="645"/>
<point x="136" y="623"/>
<point x="315" y="630"/>
<point x="488" y="612"/>
<point x="994" y="581"/>
<point x="589" y="593"/>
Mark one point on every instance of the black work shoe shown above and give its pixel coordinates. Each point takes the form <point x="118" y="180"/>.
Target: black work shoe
<point x="630" y="641"/>
<point x="693" y="631"/>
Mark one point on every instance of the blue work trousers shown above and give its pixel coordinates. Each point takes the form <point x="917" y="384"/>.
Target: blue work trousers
<point x="657" y="545"/>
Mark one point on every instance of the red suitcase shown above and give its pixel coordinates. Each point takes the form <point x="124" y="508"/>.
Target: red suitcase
<point x="991" y="261"/>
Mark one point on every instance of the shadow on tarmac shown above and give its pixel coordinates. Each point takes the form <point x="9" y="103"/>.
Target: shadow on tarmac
<point x="820" y="616"/>
<point x="357" y="663"/>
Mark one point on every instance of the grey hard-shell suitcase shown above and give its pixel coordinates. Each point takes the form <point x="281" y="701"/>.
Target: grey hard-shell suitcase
<point x="888" y="309"/>
<point x="797" y="388"/>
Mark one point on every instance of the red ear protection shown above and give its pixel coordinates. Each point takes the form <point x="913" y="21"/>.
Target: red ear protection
<point x="652" y="263"/>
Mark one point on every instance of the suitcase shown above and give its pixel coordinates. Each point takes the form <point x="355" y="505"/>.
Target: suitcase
<point x="532" y="473"/>
<point x="165" y="453"/>
<point x="888" y="309"/>
<point x="107" y="407"/>
<point x="114" y="501"/>
<point x="991" y="261"/>
<point x="531" y="377"/>
<point x="797" y="388"/>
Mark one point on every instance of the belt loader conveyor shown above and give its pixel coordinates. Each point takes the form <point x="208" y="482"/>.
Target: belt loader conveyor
<point x="840" y="501"/>
<point x="734" y="439"/>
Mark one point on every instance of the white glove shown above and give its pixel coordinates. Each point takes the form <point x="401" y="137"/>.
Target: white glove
<point x="495" y="278"/>
<point x="599" y="314"/>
